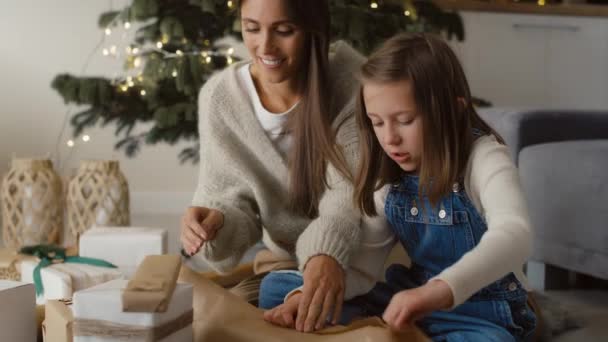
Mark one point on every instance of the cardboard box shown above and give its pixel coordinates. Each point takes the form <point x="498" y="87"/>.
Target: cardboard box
<point x="57" y="325"/>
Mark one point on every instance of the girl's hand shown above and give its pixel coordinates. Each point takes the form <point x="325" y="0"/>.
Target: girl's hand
<point x="410" y="305"/>
<point x="284" y="314"/>
<point x="322" y="294"/>
<point x="198" y="225"/>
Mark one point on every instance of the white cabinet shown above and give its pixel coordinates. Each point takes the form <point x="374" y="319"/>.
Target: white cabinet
<point x="536" y="60"/>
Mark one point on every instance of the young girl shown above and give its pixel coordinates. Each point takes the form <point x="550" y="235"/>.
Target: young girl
<point x="453" y="197"/>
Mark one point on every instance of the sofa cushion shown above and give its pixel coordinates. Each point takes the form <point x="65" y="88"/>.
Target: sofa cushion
<point x="566" y="187"/>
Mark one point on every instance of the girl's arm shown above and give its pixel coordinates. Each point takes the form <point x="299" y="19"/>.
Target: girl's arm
<point x="494" y="187"/>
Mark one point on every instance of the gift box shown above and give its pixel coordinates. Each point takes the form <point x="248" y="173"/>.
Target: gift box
<point x="10" y="262"/>
<point x="61" y="280"/>
<point x="99" y="316"/>
<point x="57" y="325"/>
<point x="17" y="311"/>
<point x="124" y="247"/>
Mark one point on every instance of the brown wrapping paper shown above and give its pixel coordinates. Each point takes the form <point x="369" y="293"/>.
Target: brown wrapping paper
<point x="58" y="321"/>
<point x="222" y="316"/>
<point x="151" y="288"/>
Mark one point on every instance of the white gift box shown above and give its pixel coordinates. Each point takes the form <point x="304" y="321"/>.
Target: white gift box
<point x="124" y="247"/>
<point x="99" y="308"/>
<point x="60" y="281"/>
<point x="17" y="311"/>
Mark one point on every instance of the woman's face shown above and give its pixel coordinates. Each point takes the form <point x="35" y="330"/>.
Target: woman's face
<point x="276" y="44"/>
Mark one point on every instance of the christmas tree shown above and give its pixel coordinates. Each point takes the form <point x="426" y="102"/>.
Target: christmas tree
<point x="175" y="50"/>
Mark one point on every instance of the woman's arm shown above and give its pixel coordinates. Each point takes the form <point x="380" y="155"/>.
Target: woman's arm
<point x="325" y="247"/>
<point x="220" y="187"/>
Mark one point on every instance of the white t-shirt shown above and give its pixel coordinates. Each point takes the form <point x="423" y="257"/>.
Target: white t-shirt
<point x="272" y="123"/>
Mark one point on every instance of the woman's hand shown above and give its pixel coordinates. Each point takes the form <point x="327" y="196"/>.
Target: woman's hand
<point x="322" y="294"/>
<point x="410" y="305"/>
<point x="198" y="225"/>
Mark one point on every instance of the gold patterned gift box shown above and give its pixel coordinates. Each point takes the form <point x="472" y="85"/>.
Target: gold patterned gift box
<point x="10" y="262"/>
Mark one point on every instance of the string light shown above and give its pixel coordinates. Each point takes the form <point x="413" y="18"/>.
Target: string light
<point x="127" y="25"/>
<point x="135" y="51"/>
<point x="230" y="51"/>
<point x="86" y="138"/>
<point x="143" y="92"/>
<point x="179" y="53"/>
<point x="137" y="62"/>
<point x="174" y="73"/>
<point x="541" y="2"/>
<point x="105" y="52"/>
<point x="230" y="4"/>
<point x="159" y="44"/>
<point x="407" y="13"/>
<point x="108" y="31"/>
<point x="374" y="5"/>
<point x="70" y="143"/>
<point x="208" y="60"/>
<point x="229" y="60"/>
<point x="113" y="49"/>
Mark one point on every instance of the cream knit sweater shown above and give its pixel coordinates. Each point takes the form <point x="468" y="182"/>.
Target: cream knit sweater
<point x="244" y="176"/>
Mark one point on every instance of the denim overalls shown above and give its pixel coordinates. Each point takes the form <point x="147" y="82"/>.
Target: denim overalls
<point x="437" y="237"/>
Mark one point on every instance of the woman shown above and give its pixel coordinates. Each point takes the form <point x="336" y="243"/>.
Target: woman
<point x="278" y="146"/>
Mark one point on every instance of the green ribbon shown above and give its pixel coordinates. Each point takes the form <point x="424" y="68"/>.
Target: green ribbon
<point x="51" y="254"/>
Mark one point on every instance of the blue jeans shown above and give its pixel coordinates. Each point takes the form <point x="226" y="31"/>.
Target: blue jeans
<point x="276" y="285"/>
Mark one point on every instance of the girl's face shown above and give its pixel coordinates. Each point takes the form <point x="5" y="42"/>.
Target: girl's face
<point x="275" y="43"/>
<point x="396" y="122"/>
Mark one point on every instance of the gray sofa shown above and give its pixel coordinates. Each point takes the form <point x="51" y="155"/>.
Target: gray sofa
<point x="562" y="158"/>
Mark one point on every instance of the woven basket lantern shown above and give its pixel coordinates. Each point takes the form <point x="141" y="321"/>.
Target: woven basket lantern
<point x="97" y="196"/>
<point x="32" y="206"/>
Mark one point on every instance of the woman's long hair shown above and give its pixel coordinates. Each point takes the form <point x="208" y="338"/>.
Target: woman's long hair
<point x="310" y="125"/>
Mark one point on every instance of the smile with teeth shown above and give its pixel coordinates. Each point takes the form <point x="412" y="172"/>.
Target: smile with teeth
<point x="271" y="62"/>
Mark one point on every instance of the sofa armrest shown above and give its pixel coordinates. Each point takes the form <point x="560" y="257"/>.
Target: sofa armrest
<point x="527" y="128"/>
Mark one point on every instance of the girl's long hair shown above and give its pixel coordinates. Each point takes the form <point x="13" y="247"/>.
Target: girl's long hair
<point x="443" y="99"/>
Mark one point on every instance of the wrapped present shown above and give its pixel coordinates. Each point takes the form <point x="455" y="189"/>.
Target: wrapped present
<point x="99" y="316"/>
<point x="10" y="262"/>
<point x="57" y="325"/>
<point x="57" y="276"/>
<point x="17" y="311"/>
<point x="124" y="247"/>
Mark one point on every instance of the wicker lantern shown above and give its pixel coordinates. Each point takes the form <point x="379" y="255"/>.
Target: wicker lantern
<point x="97" y="196"/>
<point x="32" y="206"/>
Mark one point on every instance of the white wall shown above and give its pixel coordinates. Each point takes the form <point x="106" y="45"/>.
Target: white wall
<point x="40" y="40"/>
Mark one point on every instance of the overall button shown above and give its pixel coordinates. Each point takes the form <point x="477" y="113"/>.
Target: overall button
<point x="442" y="213"/>
<point x="455" y="187"/>
<point x="414" y="211"/>
<point x="512" y="287"/>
